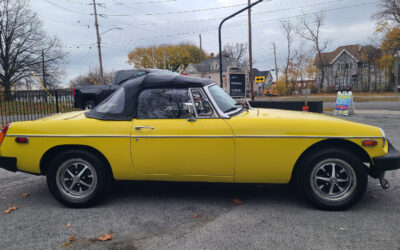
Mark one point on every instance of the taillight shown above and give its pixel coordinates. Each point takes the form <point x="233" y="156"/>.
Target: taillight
<point x="3" y="133"/>
<point x="74" y="92"/>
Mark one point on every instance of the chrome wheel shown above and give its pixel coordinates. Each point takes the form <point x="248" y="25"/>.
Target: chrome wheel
<point x="76" y="179"/>
<point x="333" y="180"/>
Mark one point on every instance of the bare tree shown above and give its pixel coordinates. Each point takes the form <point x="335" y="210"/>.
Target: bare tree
<point x="238" y="51"/>
<point x="389" y="10"/>
<point x="93" y="77"/>
<point x="310" y="30"/>
<point x="22" y="42"/>
<point x="288" y="30"/>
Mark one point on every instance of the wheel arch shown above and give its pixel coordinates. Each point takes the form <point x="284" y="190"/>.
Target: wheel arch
<point x="331" y="143"/>
<point x="52" y="152"/>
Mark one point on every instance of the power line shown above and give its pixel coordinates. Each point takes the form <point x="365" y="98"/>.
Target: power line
<point x="151" y="2"/>
<point x="243" y="15"/>
<point x="197" y="10"/>
<point x="66" y="9"/>
<point x="254" y="23"/>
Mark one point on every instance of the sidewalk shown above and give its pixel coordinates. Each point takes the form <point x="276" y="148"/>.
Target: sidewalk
<point x="370" y="112"/>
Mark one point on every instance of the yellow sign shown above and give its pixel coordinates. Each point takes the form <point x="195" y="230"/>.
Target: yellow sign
<point x="259" y="79"/>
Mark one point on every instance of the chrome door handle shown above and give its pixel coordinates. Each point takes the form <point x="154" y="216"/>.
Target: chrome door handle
<point x="140" y="127"/>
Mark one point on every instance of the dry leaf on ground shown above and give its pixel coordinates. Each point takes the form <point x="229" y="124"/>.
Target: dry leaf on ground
<point x="69" y="242"/>
<point x="7" y="211"/>
<point x="24" y="195"/>
<point x="195" y="216"/>
<point x="237" y="201"/>
<point x="105" y="237"/>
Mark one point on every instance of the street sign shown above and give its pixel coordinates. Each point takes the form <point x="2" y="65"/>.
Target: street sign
<point x="237" y="85"/>
<point x="259" y="79"/>
<point x="306" y="91"/>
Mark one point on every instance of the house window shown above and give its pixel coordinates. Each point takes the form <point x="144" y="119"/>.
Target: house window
<point x="214" y="66"/>
<point x="354" y="80"/>
<point x="343" y="66"/>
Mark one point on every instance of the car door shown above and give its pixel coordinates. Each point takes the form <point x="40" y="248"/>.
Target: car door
<point x="165" y="143"/>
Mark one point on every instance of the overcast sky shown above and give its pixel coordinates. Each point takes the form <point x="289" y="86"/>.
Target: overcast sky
<point x="154" y="22"/>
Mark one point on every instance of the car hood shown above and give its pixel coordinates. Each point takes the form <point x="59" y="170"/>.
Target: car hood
<point x="297" y="123"/>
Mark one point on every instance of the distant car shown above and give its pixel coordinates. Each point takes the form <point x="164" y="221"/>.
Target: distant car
<point x="179" y="128"/>
<point x="87" y="97"/>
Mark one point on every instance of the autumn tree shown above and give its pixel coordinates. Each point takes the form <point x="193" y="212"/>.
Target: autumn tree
<point x="171" y="57"/>
<point x="22" y="43"/>
<point x="389" y="46"/>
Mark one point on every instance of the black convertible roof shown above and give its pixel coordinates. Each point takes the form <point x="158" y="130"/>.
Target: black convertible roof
<point x="133" y="88"/>
<point x="161" y="79"/>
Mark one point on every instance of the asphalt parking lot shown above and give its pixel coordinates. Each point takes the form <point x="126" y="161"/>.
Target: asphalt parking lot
<point x="163" y="215"/>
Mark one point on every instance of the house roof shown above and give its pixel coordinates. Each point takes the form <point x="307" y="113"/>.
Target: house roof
<point x="257" y="72"/>
<point x="356" y="51"/>
<point x="207" y="63"/>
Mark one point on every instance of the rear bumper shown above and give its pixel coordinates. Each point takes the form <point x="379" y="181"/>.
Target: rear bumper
<point x="390" y="161"/>
<point x="8" y="163"/>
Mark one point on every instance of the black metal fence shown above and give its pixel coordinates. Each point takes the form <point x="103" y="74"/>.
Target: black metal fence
<point x="33" y="104"/>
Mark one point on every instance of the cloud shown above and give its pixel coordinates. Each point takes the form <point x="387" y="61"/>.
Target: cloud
<point x="144" y="26"/>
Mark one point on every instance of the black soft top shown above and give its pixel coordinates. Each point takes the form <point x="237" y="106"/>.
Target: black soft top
<point x="133" y="88"/>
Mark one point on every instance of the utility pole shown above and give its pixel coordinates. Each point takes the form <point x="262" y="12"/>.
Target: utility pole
<point x="250" y="54"/>
<point x="396" y="70"/>
<point x="164" y="55"/>
<point x="96" y="23"/>
<point x="43" y="70"/>
<point x="201" y="55"/>
<point x="152" y="57"/>
<point x="276" y="65"/>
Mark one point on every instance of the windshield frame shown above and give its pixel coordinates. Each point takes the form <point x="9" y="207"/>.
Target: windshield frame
<point x="220" y="112"/>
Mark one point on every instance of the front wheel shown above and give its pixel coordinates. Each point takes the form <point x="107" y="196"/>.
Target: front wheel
<point x="333" y="179"/>
<point x="78" y="178"/>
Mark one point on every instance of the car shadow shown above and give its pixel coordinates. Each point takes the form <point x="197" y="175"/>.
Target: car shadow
<point x="206" y="192"/>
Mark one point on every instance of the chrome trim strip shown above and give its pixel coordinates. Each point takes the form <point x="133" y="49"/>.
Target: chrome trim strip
<point x="75" y="136"/>
<point x="183" y="136"/>
<point x="316" y="137"/>
<point x="201" y="136"/>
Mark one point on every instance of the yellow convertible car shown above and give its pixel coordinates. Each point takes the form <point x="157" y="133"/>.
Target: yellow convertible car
<point x="176" y="128"/>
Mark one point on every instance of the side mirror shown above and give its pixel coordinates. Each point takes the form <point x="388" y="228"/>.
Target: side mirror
<point x="190" y="107"/>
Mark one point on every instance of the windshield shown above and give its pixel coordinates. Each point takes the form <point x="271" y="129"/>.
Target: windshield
<point x="224" y="101"/>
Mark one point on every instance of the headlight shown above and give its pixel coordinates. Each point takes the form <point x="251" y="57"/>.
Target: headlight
<point x="384" y="137"/>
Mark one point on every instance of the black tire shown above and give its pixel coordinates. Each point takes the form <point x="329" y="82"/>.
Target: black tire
<point x="319" y="165"/>
<point x="97" y="176"/>
<point x="89" y="105"/>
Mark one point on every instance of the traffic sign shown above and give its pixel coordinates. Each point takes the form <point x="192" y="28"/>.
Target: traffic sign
<point x="259" y="79"/>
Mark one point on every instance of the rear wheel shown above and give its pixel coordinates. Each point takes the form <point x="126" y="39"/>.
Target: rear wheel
<point x="333" y="179"/>
<point x="78" y="178"/>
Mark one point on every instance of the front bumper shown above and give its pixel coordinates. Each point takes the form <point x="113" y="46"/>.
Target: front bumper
<point x="390" y="161"/>
<point x="8" y="163"/>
